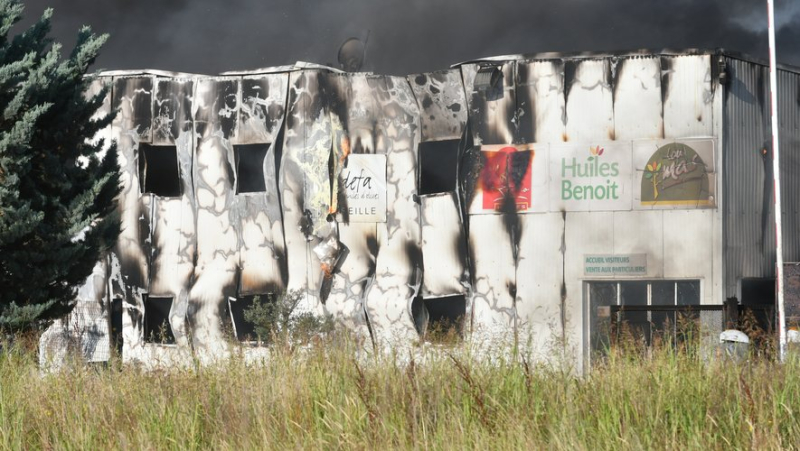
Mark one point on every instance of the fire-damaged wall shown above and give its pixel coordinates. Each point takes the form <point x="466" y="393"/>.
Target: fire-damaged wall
<point x="578" y="139"/>
<point x="500" y="193"/>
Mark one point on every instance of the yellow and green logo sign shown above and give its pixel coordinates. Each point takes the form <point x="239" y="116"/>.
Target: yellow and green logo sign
<point x="675" y="175"/>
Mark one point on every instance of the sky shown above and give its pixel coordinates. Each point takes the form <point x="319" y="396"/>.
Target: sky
<point x="405" y="37"/>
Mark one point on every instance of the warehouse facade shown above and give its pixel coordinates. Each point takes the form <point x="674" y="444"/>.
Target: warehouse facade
<point x="531" y="196"/>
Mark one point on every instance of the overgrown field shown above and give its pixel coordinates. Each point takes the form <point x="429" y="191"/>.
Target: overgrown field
<point x="326" y="399"/>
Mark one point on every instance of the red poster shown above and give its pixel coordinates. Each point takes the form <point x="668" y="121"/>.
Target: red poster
<point x="506" y="174"/>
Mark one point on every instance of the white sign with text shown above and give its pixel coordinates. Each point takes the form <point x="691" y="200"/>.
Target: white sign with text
<point x="363" y="182"/>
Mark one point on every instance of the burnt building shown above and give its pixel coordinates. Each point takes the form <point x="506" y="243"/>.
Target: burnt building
<point x="528" y="199"/>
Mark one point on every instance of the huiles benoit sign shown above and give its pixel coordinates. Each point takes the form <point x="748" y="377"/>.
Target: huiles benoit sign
<point x="593" y="176"/>
<point x="596" y="176"/>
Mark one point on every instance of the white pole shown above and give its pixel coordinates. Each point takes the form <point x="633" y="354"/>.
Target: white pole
<point x="776" y="174"/>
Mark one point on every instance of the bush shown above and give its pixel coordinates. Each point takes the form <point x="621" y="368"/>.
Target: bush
<point x="274" y="319"/>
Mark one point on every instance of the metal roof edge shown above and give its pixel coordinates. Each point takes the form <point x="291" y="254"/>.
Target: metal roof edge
<point x="755" y="60"/>
<point x="626" y="53"/>
<point x="261" y="71"/>
<point x="135" y="72"/>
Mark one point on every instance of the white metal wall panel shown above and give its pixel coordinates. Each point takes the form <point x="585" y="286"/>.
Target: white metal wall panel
<point x="262" y="253"/>
<point x="641" y="232"/>
<point x="346" y="299"/>
<point x="443" y="246"/>
<point x="539" y="277"/>
<point x="492" y="111"/>
<point x="398" y="267"/>
<point x="216" y="101"/>
<point x="361" y="116"/>
<point x="688" y="96"/>
<point x="261" y="115"/>
<point x="590" y="113"/>
<point x="173" y="238"/>
<point x="304" y="184"/>
<point x="637" y="99"/>
<point x="133" y="99"/>
<point x="492" y="296"/>
<point x="586" y="233"/>
<point x="690" y="255"/>
<point x="540" y="95"/>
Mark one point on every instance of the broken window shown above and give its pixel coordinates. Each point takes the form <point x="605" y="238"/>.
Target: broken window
<point x="440" y="320"/>
<point x="643" y="311"/>
<point x="116" y="323"/>
<point x="250" y="167"/>
<point x="243" y="330"/>
<point x="157" y="328"/>
<point x="438" y="163"/>
<point x="158" y="170"/>
<point x="757" y="307"/>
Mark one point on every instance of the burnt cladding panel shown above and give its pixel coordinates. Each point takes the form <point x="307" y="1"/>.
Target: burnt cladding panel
<point x="443" y="109"/>
<point x="541" y="101"/>
<point x="589" y="100"/>
<point x="132" y="99"/>
<point x="172" y="110"/>
<point x="304" y="179"/>
<point x="491" y="95"/>
<point x="748" y="210"/>
<point x="216" y="105"/>
<point x="217" y="252"/>
<point x="262" y="107"/>
<point x="257" y="146"/>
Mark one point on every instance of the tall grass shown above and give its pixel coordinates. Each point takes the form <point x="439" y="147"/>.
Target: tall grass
<point x="324" y="398"/>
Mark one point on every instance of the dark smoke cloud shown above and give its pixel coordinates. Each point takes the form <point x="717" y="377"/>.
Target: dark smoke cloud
<point x="207" y="36"/>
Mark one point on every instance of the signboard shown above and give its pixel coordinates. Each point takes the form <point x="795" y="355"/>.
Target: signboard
<point x="614" y="265"/>
<point x="675" y="174"/>
<point x="590" y="177"/>
<point x="595" y="176"/>
<point x="363" y="183"/>
<point x="512" y="177"/>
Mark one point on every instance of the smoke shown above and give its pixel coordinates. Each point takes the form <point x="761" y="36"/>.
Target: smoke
<point x="205" y="36"/>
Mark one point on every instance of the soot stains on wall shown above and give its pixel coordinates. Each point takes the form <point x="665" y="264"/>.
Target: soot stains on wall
<point x="255" y="205"/>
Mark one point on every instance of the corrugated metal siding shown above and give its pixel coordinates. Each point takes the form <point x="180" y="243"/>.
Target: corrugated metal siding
<point x="748" y="213"/>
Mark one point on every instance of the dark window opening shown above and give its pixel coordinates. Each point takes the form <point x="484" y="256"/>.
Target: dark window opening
<point x="243" y="329"/>
<point x="250" y="167"/>
<point x="440" y="320"/>
<point x="158" y="170"/>
<point x="438" y="163"/>
<point x="116" y="324"/>
<point x="643" y="312"/>
<point x="757" y="309"/>
<point x="157" y="328"/>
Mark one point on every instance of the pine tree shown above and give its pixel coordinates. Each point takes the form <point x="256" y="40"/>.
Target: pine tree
<point x="56" y="191"/>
